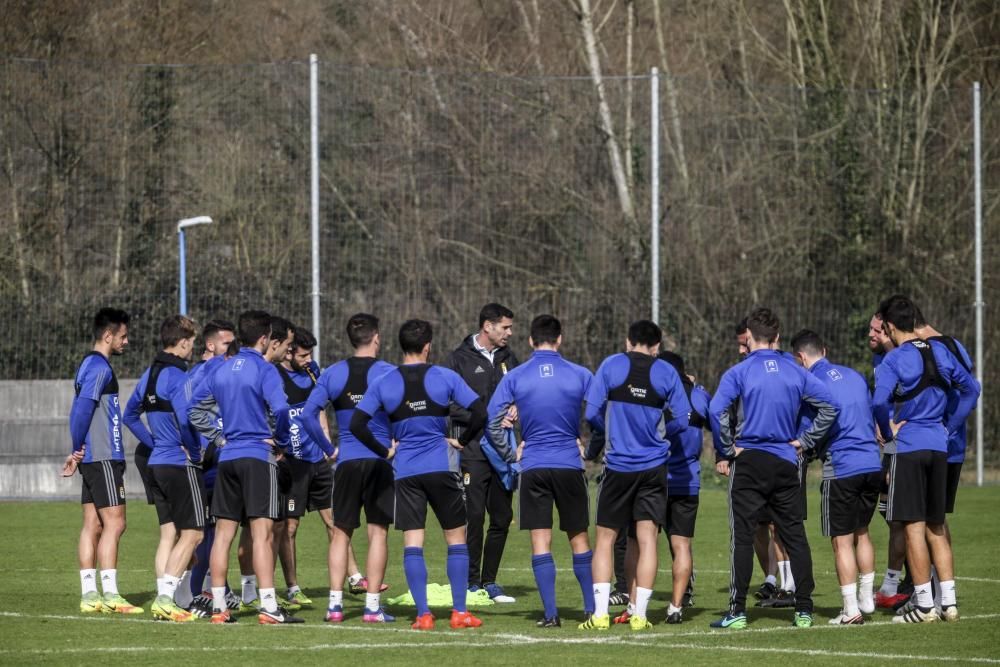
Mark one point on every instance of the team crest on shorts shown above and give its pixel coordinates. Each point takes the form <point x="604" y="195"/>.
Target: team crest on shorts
<point x="291" y="504"/>
<point x="121" y="492"/>
<point x="466" y="479"/>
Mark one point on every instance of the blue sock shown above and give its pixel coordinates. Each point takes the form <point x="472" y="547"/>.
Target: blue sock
<point x="545" y="578"/>
<point x="458" y="574"/>
<point x="581" y="568"/>
<point x="202" y="553"/>
<point x="416" y="577"/>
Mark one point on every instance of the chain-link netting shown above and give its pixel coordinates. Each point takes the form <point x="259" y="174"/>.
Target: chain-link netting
<point x="443" y="191"/>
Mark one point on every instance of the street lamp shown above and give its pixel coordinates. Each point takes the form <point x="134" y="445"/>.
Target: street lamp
<point x="181" y="226"/>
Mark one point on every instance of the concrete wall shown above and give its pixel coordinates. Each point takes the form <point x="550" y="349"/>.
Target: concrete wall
<point x="34" y="440"/>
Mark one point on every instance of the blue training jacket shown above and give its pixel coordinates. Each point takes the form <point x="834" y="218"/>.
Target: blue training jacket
<point x="418" y="415"/>
<point x="95" y="419"/>
<point x="549" y="393"/>
<point x="637" y="402"/>
<point x="299" y="386"/>
<point x="249" y="394"/>
<point x="850" y="447"/>
<point x="928" y="420"/>
<point x="171" y="437"/>
<point x="684" y="464"/>
<point x="768" y="389"/>
<point x="344" y="385"/>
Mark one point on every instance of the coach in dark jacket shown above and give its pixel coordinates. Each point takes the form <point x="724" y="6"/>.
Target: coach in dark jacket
<point x="482" y="360"/>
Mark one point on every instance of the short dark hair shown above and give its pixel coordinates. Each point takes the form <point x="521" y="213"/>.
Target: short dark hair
<point x="361" y="329"/>
<point x="808" y="341"/>
<point x="252" y="325"/>
<point x="233" y="348"/>
<point x="764" y="325"/>
<point x="109" y="319"/>
<point x="175" y="329"/>
<point x="280" y="328"/>
<point x="899" y="311"/>
<point x="675" y="360"/>
<point x="414" y="335"/>
<point x="741" y="327"/>
<point x="302" y="339"/>
<point x="215" y="326"/>
<point x="545" y="329"/>
<point x="494" y="312"/>
<point x="644" y="332"/>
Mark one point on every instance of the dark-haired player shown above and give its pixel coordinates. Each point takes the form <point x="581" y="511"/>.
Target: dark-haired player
<point x="416" y="396"/>
<point x="548" y="392"/>
<point x="637" y="402"/>
<point x="770" y="389"/>
<point x="175" y="476"/>
<point x="249" y="393"/>
<point x="95" y="427"/>
<point x="851" y="468"/>
<point x="917" y="377"/>
<point x="362" y="480"/>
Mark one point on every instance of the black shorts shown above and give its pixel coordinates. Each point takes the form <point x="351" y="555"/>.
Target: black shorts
<point x="847" y="504"/>
<point x="567" y="487"/>
<point x="363" y="483"/>
<point x="103" y="483"/>
<point x="442" y="490"/>
<point x="954" y="477"/>
<point x="682" y="511"/>
<point x="179" y="495"/>
<point x="246" y="489"/>
<point x="626" y="497"/>
<point x="311" y="487"/>
<point x="142" y="454"/>
<point x="918" y="484"/>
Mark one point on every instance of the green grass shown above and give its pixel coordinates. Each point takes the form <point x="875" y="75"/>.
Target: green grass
<point x="39" y="623"/>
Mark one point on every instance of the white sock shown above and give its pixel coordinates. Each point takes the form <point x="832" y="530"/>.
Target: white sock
<point x="356" y="578"/>
<point x="170" y="585"/>
<point x="672" y="609"/>
<point x="771" y="579"/>
<point x="642" y="596"/>
<point x="159" y="586"/>
<point x="935" y="587"/>
<point x="890" y="583"/>
<point x="850" y="594"/>
<point x="206" y="584"/>
<point x="787" y="580"/>
<point x="218" y="598"/>
<point x="866" y="599"/>
<point x="292" y="590"/>
<point x="109" y="582"/>
<point x="601" y="594"/>
<point x="88" y="581"/>
<point x="268" y="601"/>
<point x="925" y="598"/>
<point x="183" y="595"/>
<point x="249" y="582"/>
<point x="948" y="593"/>
<point x="630" y="608"/>
<point x="373" y="601"/>
<point x="336" y="598"/>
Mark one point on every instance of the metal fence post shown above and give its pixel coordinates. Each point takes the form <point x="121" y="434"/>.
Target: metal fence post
<point x="314" y="203"/>
<point x="654" y="191"/>
<point x="977" y="151"/>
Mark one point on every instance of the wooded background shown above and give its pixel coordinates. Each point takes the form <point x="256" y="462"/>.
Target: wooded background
<point x="817" y="156"/>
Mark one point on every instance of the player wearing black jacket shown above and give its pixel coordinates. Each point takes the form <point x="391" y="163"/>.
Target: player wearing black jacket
<point x="482" y="360"/>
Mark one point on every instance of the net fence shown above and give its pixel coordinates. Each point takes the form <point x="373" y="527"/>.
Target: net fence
<point x="442" y="191"/>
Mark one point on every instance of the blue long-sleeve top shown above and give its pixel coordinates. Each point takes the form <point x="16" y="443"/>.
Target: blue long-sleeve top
<point x="344" y="384"/>
<point x="170" y="435"/>
<point x="95" y="420"/>
<point x="249" y="394"/>
<point x="549" y="392"/>
<point x="768" y="389"/>
<point x="298" y="389"/>
<point x="928" y="421"/>
<point x="957" y="439"/>
<point x="850" y="447"/>
<point x="684" y="464"/>
<point x="637" y="402"/>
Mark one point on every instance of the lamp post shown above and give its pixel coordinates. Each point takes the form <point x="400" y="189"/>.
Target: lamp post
<point x="181" y="226"/>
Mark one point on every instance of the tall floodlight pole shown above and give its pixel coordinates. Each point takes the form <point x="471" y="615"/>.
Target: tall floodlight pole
<point x="977" y="150"/>
<point x="654" y="192"/>
<point x="314" y="199"/>
<point x="181" y="226"/>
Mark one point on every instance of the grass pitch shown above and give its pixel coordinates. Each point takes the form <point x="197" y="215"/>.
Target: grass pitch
<point x="39" y="623"/>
